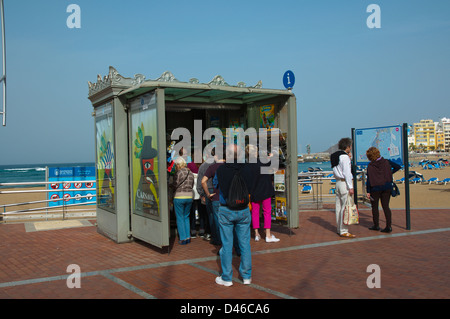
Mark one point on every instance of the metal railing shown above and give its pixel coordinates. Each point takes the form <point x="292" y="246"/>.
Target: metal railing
<point x="56" y="212"/>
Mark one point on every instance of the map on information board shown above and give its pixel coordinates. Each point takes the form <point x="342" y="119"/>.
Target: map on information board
<point x="387" y="139"/>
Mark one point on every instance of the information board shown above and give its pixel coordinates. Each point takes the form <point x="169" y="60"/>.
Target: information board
<point x="389" y="140"/>
<point x="66" y="182"/>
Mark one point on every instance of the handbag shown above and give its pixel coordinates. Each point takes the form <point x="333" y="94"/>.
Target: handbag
<point x="395" y="191"/>
<point x="351" y="214"/>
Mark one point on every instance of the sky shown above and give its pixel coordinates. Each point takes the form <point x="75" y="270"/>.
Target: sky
<point x="347" y="74"/>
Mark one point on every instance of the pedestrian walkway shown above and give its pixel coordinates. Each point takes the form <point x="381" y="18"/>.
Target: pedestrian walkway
<point x="308" y="263"/>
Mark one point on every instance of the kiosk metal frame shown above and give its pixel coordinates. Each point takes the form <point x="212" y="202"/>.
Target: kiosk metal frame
<point x="124" y="222"/>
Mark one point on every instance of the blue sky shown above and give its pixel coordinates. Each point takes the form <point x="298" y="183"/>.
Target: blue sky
<point x="347" y="75"/>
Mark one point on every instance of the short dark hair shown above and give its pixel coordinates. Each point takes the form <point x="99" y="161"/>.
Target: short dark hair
<point x="344" y="143"/>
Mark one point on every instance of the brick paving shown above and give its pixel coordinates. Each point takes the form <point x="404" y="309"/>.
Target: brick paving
<point x="310" y="262"/>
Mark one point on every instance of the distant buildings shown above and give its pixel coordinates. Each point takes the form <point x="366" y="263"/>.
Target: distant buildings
<point x="428" y="135"/>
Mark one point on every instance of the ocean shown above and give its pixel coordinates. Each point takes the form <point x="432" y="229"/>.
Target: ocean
<point x="30" y="172"/>
<point x="324" y="166"/>
<point x="36" y="172"/>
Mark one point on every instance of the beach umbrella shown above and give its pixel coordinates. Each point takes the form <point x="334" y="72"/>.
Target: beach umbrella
<point x="413" y="174"/>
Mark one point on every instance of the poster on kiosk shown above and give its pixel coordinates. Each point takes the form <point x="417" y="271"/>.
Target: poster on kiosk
<point x="144" y="157"/>
<point x="105" y="158"/>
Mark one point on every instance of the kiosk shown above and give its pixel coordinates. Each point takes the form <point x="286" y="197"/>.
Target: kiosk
<point x="134" y="121"/>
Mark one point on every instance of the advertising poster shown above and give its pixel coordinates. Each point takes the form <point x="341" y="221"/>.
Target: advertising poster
<point x="267" y="116"/>
<point x="280" y="209"/>
<point x="278" y="181"/>
<point x="105" y="158"/>
<point x="144" y="164"/>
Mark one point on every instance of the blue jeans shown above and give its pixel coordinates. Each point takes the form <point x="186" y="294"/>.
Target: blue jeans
<point x="237" y="221"/>
<point x="182" y="209"/>
<point x="215" y="230"/>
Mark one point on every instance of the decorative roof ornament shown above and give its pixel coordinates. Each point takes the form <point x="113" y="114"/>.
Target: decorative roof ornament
<point x="115" y="79"/>
<point x="258" y="85"/>
<point x="218" y="80"/>
<point x="138" y="79"/>
<point x="167" y="77"/>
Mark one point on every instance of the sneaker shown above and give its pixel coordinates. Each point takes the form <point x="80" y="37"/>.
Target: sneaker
<point x="219" y="281"/>
<point x="247" y="281"/>
<point x="257" y="238"/>
<point x="272" y="239"/>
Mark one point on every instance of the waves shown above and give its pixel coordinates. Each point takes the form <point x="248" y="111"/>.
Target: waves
<point x="30" y="172"/>
<point x="27" y="169"/>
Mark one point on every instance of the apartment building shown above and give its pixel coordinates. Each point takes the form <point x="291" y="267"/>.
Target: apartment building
<point x="443" y="127"/>
<point x="425" y="135"/>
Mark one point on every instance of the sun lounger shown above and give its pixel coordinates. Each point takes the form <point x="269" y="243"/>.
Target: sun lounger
<point x="415" y="180"/>
<point x="431" y="180"/>
<point x="444" y="181"/>
<point x="400" y="181"/>
<point x="306" y="189"/>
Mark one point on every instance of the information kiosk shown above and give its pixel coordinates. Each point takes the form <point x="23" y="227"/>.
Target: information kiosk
<point x="134" y="122"/>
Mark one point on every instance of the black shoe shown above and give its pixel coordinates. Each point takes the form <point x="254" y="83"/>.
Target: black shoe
<point x="386" y="230"/>
<point x="374" y="227"/>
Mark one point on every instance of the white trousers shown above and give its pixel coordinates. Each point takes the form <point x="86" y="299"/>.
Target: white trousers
<point x="341" y="200"/>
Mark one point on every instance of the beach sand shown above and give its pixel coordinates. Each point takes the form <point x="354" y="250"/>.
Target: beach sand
<point x="421" y="195"/>
<point x="34" y="194"/>
<point x="31" y="195"/>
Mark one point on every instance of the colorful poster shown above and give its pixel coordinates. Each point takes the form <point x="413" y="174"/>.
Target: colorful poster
<point x="280" y="209"/>
<point x="144" y="164"/>
<point x="267" y="116"/>
<point x="105" y="158"/>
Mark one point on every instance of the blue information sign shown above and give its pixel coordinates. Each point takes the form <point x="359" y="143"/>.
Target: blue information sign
<point x="288" y="79"/>
<point x="72" y="182"/>
<point x="388" y="140"/>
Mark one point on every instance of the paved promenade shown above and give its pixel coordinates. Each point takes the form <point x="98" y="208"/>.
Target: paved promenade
<point x="310" y="262"/>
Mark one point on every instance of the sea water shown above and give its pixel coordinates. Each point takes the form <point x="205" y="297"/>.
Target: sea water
<point x="36" y="172"/>
<point x="324" y="166"/>
<point x="30" y="172"/>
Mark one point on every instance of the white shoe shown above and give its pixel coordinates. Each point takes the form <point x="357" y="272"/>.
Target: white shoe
<point x="272" y="239"/>
<point x="257" y="238"/>
<point x="219" y="281"/>
<point x="247" y="281"/>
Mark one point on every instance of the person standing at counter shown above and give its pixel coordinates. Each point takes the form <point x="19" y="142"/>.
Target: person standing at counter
<point x="182" y="202"/>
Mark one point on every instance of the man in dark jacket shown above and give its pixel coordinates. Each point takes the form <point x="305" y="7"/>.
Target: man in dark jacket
<point x="230" y="220"/>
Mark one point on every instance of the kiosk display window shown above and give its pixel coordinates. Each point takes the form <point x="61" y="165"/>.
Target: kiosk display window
<point x="144" y="157"/>
<point x="105" y="154"/>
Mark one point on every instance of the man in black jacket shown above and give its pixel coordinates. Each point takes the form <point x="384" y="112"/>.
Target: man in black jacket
<point x="230" y="220"/>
